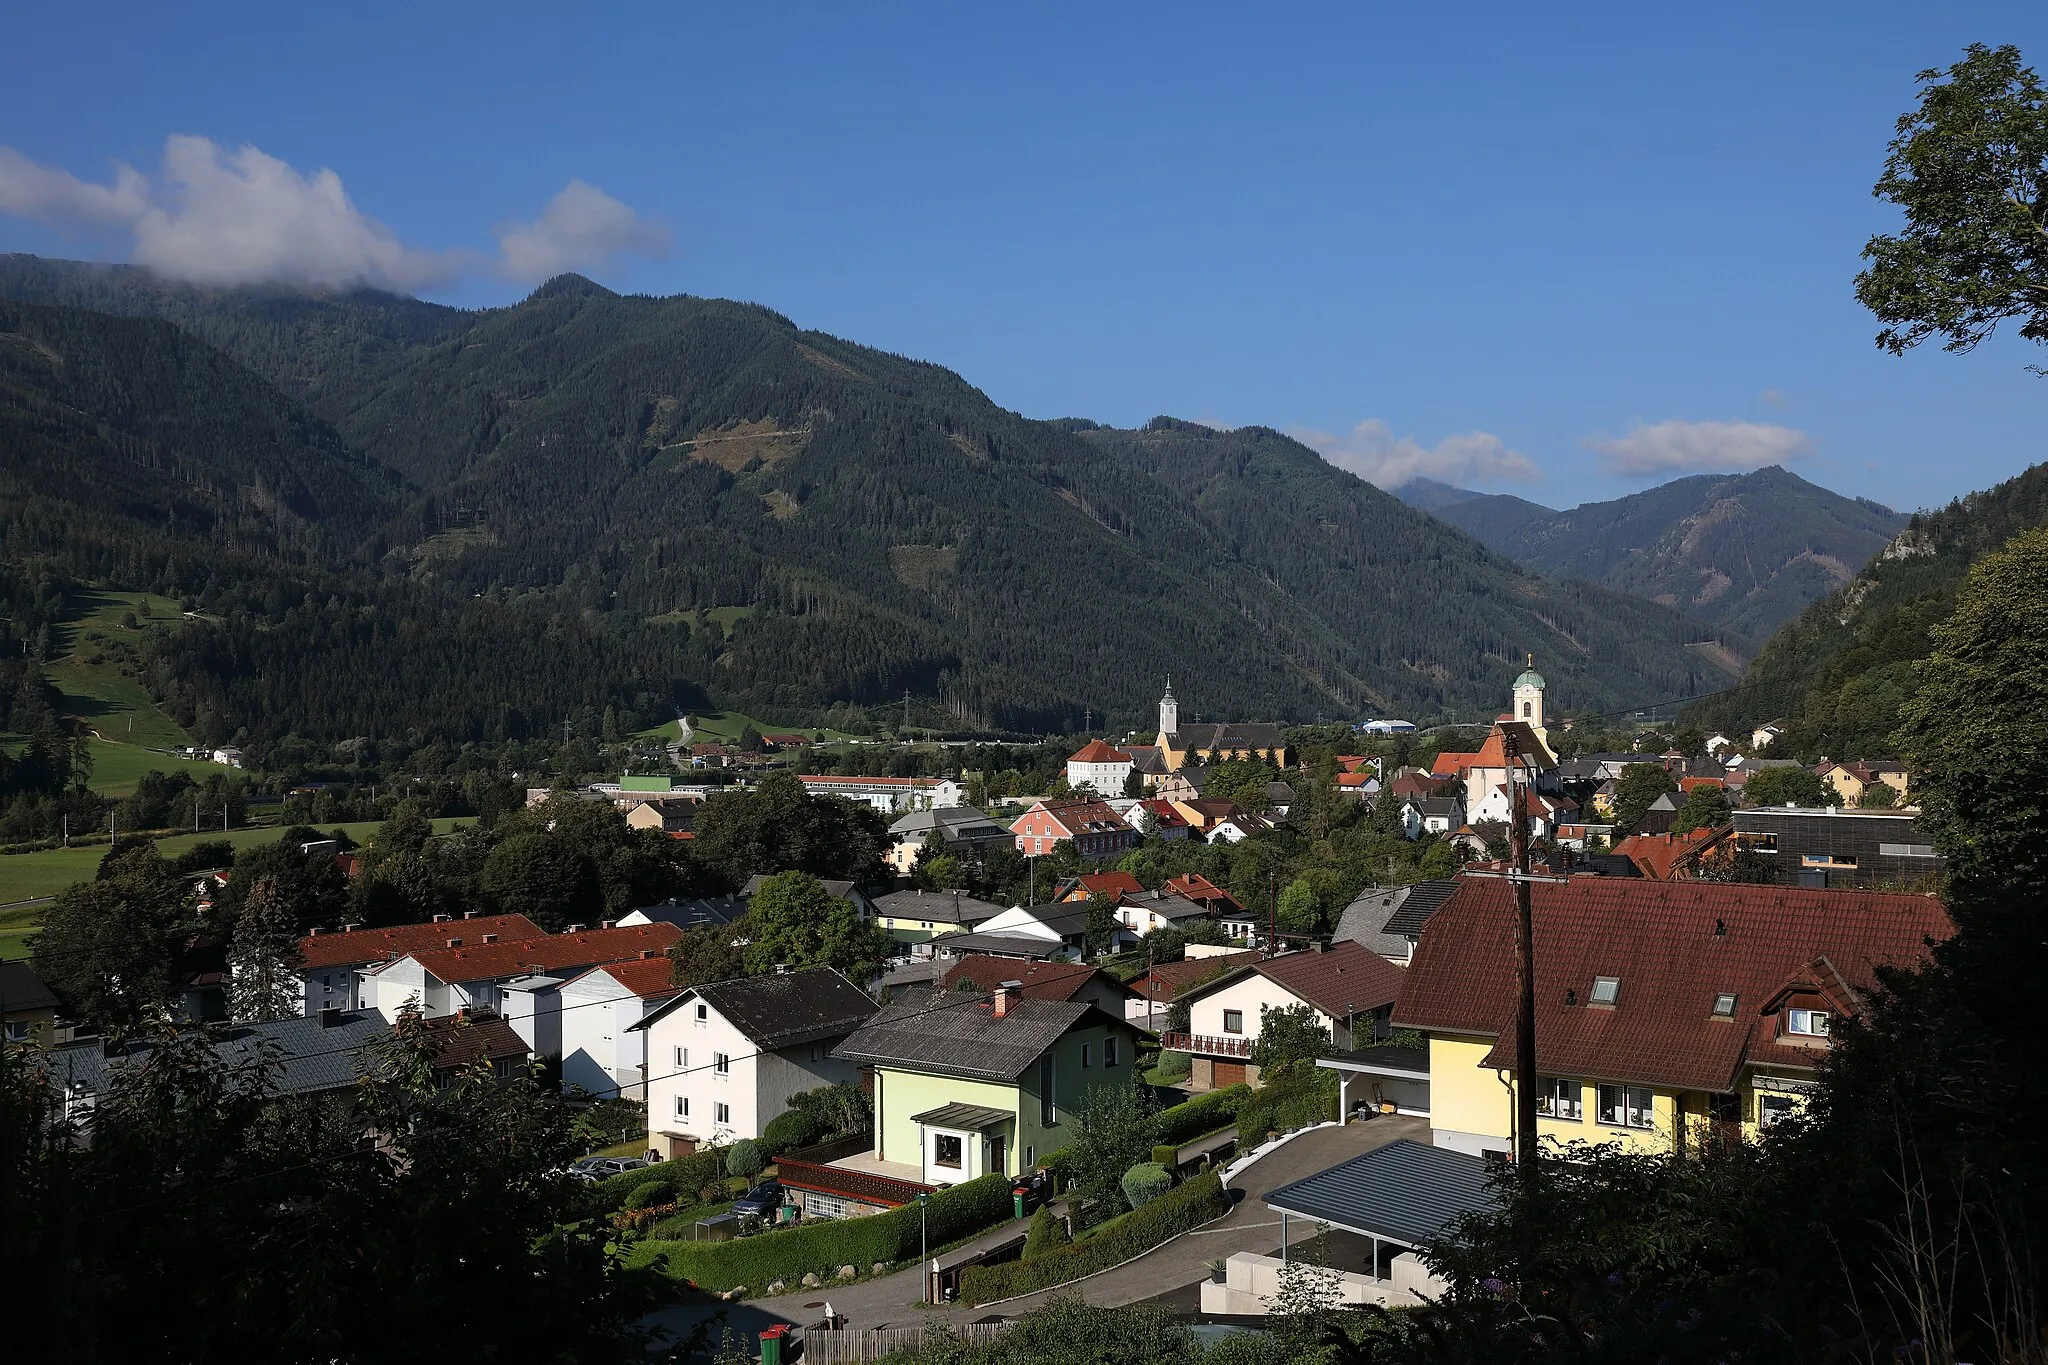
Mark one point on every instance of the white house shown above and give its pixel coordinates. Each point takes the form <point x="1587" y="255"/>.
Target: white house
<point x="473" y="971"/>
<point x="601" y="1050"/>
<point x="1063" y="924"/>
<point x="1351" y="989"/>
<point x="723" y="1058"/>
<point x="1100" y="768"/>
<point x="333" y="967"/>
<point x="1141" y="914"/>
<point x="890" y="795"/>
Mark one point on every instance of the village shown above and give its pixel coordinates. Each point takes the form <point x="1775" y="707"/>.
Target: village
<point x="1068" y="1083"/>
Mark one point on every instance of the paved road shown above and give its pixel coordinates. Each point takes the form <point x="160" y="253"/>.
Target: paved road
<point x="891" y="1301"/>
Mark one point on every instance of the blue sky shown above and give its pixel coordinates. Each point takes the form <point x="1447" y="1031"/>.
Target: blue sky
<point x="1564" y="256"/>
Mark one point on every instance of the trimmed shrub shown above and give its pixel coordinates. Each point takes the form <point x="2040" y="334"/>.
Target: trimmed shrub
<point x="1145" y="1182"/>
<point x="1167" y="1155"/>
<point x="1203" y="1114"/>
<point x="1295" y="1098"/>
<point x="745" y="1159"/>
<point x="684" y="1173"/>
<point x="821" y="1248"/>
<point x="1047" y="1234"/>
<point x="1173" y="1213"/>
<point x="788" y="1130"/>
<point x="649" y="1193"/>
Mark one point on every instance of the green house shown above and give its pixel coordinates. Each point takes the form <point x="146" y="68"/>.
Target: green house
<point x="966" y="1084"/>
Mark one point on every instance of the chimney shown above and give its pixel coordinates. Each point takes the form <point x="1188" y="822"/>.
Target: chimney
<point x="573" y="929"/>
<point x="442" y="919"/>
<point x="649" y="952"/>
<point x="490" y="938"/>
<point x="329" y="1017"/>
<point x="1006" y="995"/>
<point x="469" y="914"/>
<point x="607" y="924"/>
<point x="351" y="928"/>
<point x="316" y="931"/>
<point x="454" y="943"/>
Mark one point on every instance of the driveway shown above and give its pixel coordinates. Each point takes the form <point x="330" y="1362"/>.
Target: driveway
<point x="891" y="1301"/>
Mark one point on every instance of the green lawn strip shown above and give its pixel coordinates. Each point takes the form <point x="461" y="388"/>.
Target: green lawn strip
<point x="15" y="927"/>
<point x="117" y="767"/>
<point x="116" y="706"/>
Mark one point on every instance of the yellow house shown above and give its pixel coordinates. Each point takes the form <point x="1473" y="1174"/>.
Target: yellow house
<point x="1666" y="1012"/>
<point x="915" y="916"/>
<point x="28" y="1008"/>
<point x="1851" y="780"/>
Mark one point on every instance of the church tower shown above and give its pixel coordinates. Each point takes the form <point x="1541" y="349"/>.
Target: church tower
<point x="1169" y="712"/>
<point x="1529" y="701"/>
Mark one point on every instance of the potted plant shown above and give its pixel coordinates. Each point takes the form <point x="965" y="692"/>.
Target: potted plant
<point x="1218" y="1270"/>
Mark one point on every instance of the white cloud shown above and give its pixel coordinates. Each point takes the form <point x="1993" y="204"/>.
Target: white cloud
<point x="223" y="217"/>
<point x="1676" y="447"/>
<point x="582" y="228"/>
<point x="1372" y="451"/>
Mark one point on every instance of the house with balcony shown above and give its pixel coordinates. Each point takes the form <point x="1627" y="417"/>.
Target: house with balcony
<point x="724" y="1057"/>
<point x="1350" y="988"/>
<point x="965" y="1084"/>
<point x="1666" y="1012"/>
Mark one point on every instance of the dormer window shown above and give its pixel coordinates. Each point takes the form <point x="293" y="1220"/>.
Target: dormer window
<point x="1807" y="1023"/>
<point x="1606" y="990"/>
<point x="1724" y="1005"/>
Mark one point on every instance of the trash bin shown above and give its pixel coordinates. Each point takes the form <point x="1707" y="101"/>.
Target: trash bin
<point x="1017" y="1193"/>
<point x="771" y="1343"/>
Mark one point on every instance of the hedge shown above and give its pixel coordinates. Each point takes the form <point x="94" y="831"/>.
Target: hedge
<point x="1173" y="1213"/>
<point x="788" y="1130"/>
<point x="821" y="1248"/>
<point x="1294" y="1099"/>
<point x="687" y="1175"/>
<point x="1202" y="1114"/>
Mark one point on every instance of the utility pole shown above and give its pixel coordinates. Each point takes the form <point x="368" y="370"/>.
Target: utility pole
<point x="1525" y="965"/>
<point x="906" y="713"/>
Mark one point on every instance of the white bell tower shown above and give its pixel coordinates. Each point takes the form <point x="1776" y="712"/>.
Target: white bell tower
<point x="1529" y="700"/>
<point x="1169" y="712"/>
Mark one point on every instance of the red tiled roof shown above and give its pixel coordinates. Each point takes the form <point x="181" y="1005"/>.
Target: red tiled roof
<point x="1657" y="856"/>
<point x="1112" y="884"/>
<point x="1673" y="946"/>
<point x="1042" y="980"/>
<point x="1452" y="765"/>
<point x="476" y="961"/>
<point x="374" y="945"/>
<point x="460" y="1039"/>
<point x="650" y="978"/>
<point x="1164" y="813"/>
<point x="1075" y="817"/>
<point x="1692" y="784"/>
<point x="1356" y="779"/>
<point x="1162" y="983"/>
<point x="1200" y="889"/>
<point x="1095" y="751"/>
<point x="1346" y="978"/>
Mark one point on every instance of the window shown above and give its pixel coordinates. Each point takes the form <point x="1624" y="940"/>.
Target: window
<point x="1109" y="1051"/>
<point x="721" y="1113"/>
<point x="20" y="1030"/>
<point x="1724" y="1005"/>
<point x="1048" y="1114"/>
<point x="1030" y="1155"/>
<point x="946" y="1151"/>
<point x="1772" y="1109"/>
<point x="703" y="1012"/>
<point x="1627" y="1106"/>
<point x="1807" y="1023"/>
<point x="1557" y="1098"/>
<point x="1606" y="990"/>
<point x="1085" y="1049"/>
<point x="721" y="1064"/>
<point x="1233" y="1021"/>
<point x="682" y="1056"/>
<point x="682" y="1106"/>
<point x="1905" y="850"/>
<point x="1527" y="710"/>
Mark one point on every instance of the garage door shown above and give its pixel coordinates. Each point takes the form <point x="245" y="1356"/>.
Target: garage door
<point x="1229" y="1073"/>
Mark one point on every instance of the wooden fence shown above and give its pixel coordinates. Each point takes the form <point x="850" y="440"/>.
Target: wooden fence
<point x="849" y="1346"/>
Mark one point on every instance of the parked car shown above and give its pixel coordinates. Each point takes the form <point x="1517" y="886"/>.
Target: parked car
<point x="595" y="1168"/>
<point x="761" y="1201"/>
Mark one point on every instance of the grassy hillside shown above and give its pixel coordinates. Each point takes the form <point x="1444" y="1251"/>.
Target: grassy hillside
<point x="1744" y="552"/>
<point x="1840" y="671"/>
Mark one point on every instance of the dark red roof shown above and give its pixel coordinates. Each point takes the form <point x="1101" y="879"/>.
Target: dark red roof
<point x="650" y="978"/>
<point x="1042" y="980"/>
<point x="1095" y="751"/>
<point x="460" y="1039"/>
<point x="476" y="960"/>
<point x="1201" y="890"/>
<point x="1673" y="947"/>
<point x="374" y="945"/>
<point x="1346" y="978"/>
<point x="1163" y="983"/>
<point x="1110" y="884"/>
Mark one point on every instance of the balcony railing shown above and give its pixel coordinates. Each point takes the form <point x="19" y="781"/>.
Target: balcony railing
<point x="1206" y="1045"/>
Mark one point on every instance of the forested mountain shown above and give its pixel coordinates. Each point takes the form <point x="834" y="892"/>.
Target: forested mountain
<point x="1491" y="517"/>
<point x="1839" y="673"/>
<point x="697" y="493"/>
<point x="1744" y="552"/>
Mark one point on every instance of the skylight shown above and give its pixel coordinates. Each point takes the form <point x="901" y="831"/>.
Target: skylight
<point x="1605" y="990"/>
<point x="1724" y="1005"/>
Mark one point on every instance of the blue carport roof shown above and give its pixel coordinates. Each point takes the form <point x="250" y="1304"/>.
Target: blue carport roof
<point x="1405" y="1192"/>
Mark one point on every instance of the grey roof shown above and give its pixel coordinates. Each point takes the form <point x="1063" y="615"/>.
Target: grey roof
<point x="839" y="890"/>
<point x="1364" y="921"/>
<point x="1229" y="735"/>
<point x="1280" y="793"/>
<point x="940" y="907"/>
<point x="697" y="913"/>
<point x="22" y="990"/>
<point x="1389" y="1060"/>
<point x="957" y="822"/>
<point x="303" y="1056"/>
<point x="999" y="945"/>
<point x="1167" y="905"/>
<point x="1443" y="806"/>
<point x="974" y="1118"/>
<point x="1421" y="902"/>
<point x="1146" y="759"/>
<point x="1405" y="1192"/>
<point x="785" y="1010"/>
<point x="954" y="1033"/>
<point x="1668" y="801"/>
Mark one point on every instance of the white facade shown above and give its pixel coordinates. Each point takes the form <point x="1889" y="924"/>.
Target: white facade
<point x="1103" y="778"/>
<point x="386" y="990"/>
<point x="705" y="1080"/>
<point x="601" y="1052"/>
<point x="891" y="795"/>
<point x="1232" y="1011"/>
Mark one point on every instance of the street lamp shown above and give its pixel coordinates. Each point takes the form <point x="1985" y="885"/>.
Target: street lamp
<point x="924" y="1200"/>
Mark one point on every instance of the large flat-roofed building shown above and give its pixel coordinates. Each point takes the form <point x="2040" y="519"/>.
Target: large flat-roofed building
<point x="1832" y="847"/>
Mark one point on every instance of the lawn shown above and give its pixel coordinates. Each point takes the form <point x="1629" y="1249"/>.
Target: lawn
<point x="86" y="669"/>
<point x="117" y="767"/>
<point x="727" y="726"/>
